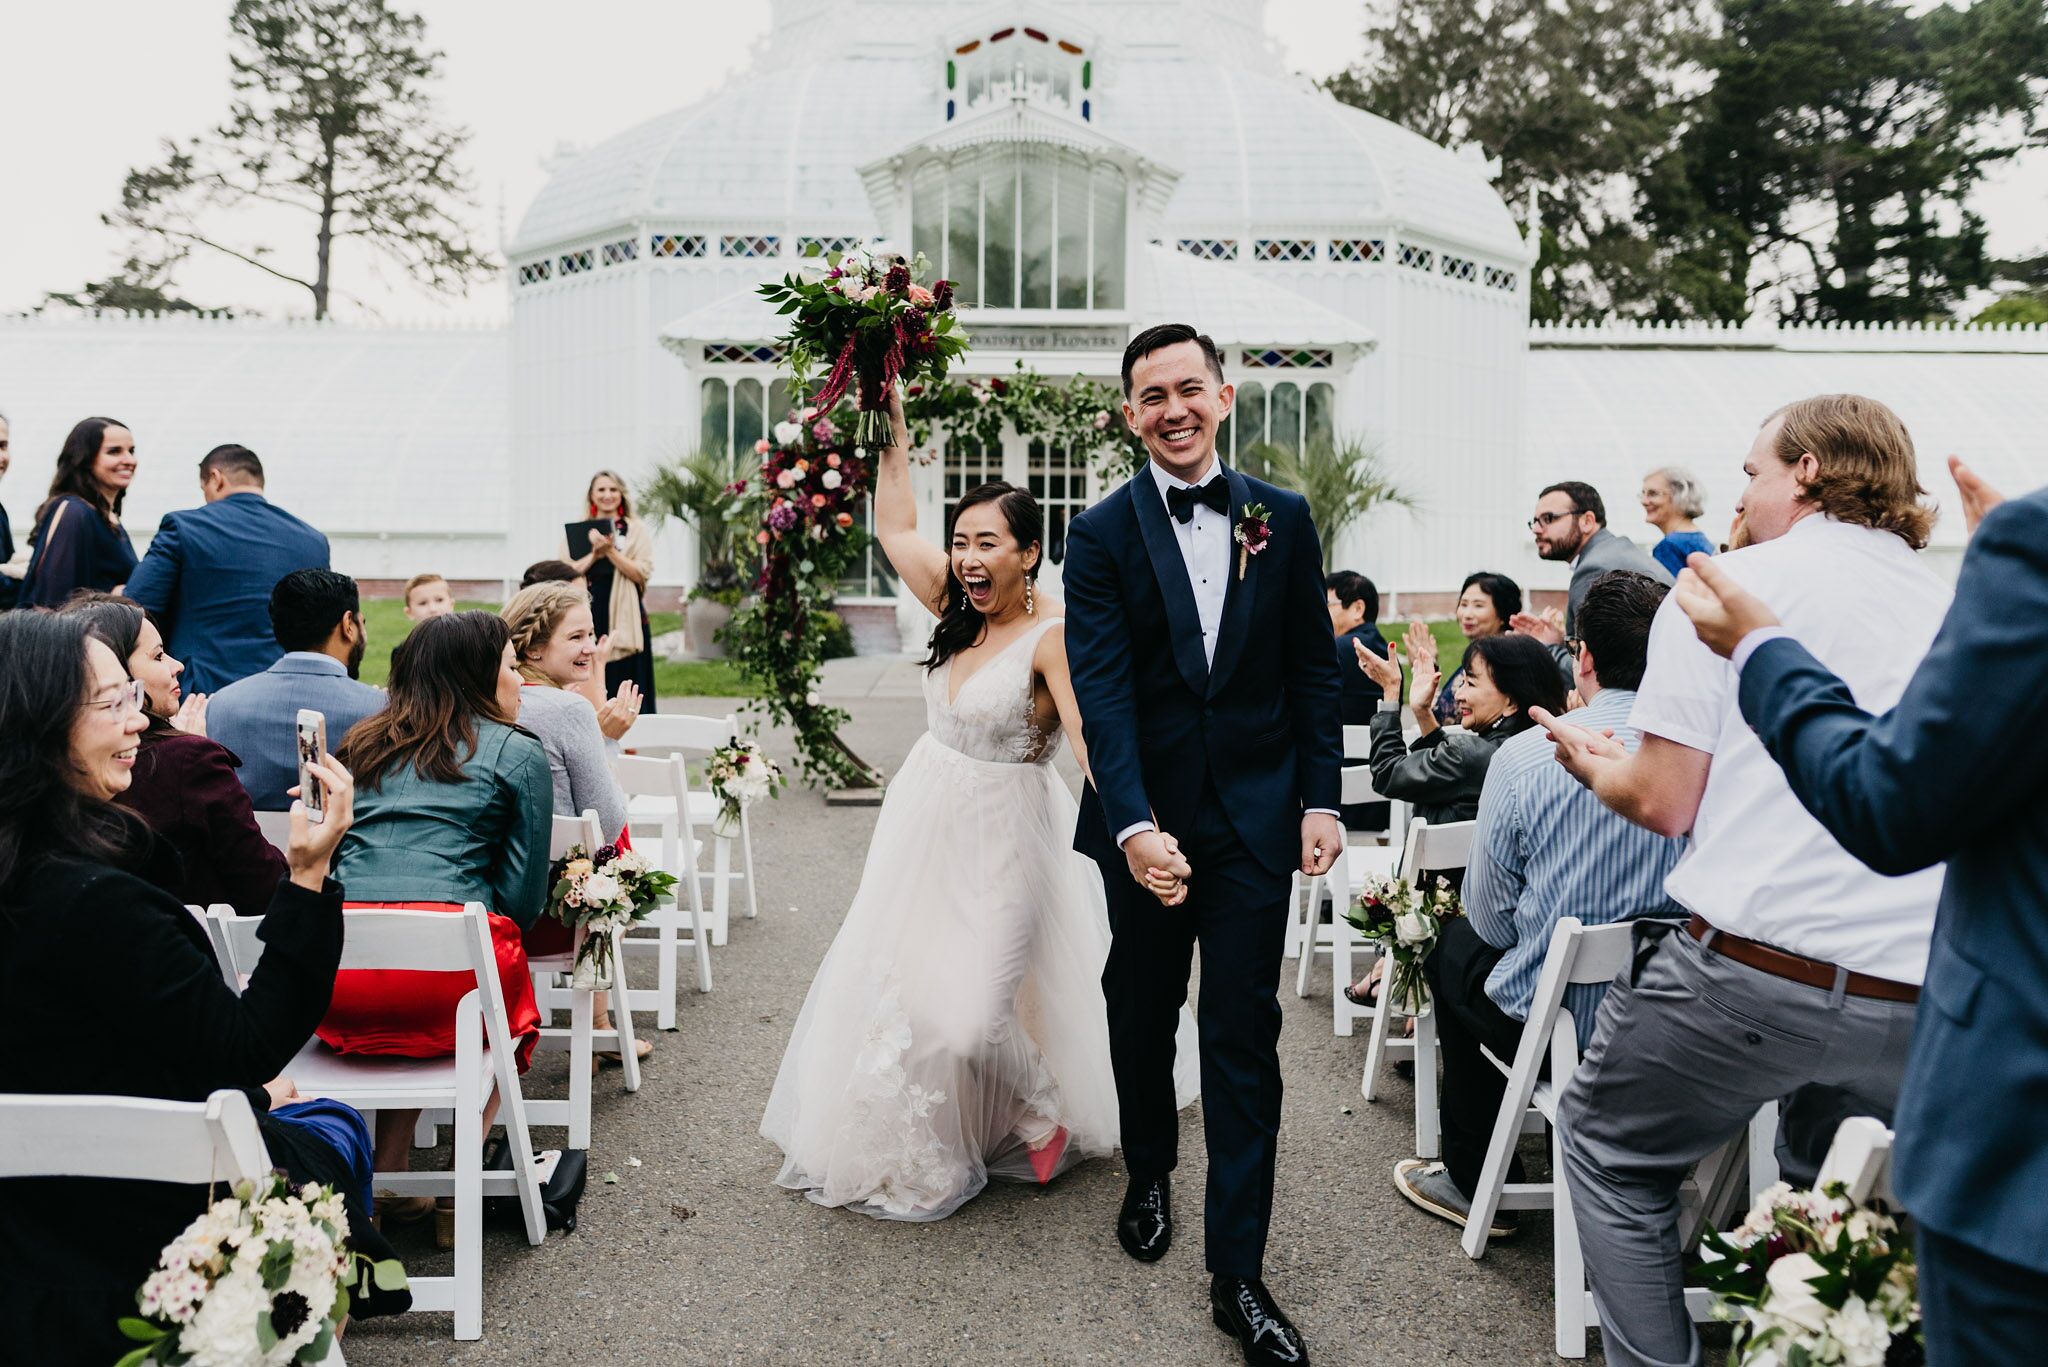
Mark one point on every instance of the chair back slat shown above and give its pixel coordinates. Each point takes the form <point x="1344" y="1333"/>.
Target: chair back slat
<point x="424" y="941"/>
<point x="276" y="828"/>
<point x="575" y="830"/>
<point x="138" y="1138"/>
<point x="1435" y="849"/>
<point x="680" y="732"/>
<point x="1861" y="1159"/>
<point x="1354" y="785"/>
<point x="1357" y="742"/>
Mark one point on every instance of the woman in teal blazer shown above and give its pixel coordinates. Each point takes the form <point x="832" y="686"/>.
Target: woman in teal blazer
<point x="454" y="804"/>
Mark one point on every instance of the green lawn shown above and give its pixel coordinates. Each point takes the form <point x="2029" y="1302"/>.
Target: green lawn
<point x="385" y="620"/>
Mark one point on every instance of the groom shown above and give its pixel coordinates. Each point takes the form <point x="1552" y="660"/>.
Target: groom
<point x="1200" y="650"/>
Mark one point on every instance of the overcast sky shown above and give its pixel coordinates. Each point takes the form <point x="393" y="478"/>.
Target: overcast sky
<point x="89" y="89"/>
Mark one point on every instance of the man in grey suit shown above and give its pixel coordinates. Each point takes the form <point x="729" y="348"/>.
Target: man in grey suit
<point x="1571" y="524"/>
<point x="317" y="617"/>
<point x="1956" y="770"/>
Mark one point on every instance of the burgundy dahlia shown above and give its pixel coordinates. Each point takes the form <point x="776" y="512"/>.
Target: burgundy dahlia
<point x="942" y="296"/>
<point x="897" y="281"/>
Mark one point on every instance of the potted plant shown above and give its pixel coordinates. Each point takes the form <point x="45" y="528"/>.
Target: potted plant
<point x="698" y="491"/>
<point x="1342" y="481"/>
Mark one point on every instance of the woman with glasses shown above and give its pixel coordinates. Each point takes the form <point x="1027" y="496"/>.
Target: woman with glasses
<point x="184" y="785"/>
<point x="1671" y="499"/>
<point x="78" y="909"/>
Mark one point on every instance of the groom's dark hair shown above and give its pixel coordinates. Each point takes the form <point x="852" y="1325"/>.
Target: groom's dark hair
<point x="1162" y="336"/>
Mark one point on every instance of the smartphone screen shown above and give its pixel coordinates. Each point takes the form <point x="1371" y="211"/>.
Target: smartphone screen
<point x="312" y="745"/>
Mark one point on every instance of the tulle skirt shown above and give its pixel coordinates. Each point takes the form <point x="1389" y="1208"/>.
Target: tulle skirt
<point x="957" y="1019"/>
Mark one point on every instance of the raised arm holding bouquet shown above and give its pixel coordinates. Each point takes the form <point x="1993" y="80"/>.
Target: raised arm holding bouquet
<point x="870" y="318"/>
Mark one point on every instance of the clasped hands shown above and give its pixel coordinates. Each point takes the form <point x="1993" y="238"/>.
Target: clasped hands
<point x="1158" y="866"/>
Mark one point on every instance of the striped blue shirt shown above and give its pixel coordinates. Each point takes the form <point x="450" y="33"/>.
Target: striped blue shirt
<point x="1545" y="848"/>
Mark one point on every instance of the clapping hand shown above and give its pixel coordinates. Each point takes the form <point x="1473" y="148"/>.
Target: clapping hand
<point x="1384" y="672"/>
<point x="1979" y="498"/>
<point x="599" y="542"/>
<point x="1547" y="626"/>
<point x="616" y="715"/>
<point x="191" y="717"/>
<point x="1425" y="677"/>
<point x="1585" y="754"/>
<point x="1722" y="611"/>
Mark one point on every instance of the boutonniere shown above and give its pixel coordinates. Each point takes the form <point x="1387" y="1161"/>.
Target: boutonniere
<point x="1254" y="529"/>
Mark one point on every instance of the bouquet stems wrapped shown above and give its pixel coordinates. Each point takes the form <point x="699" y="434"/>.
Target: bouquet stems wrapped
<point x="1405" y="920"/>
<point x="872" y="321"/>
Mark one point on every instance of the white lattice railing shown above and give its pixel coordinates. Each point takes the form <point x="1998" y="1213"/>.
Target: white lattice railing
<point x="1767" y="336"/>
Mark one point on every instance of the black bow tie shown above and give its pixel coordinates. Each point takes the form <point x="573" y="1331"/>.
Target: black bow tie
<point x="1181" y="502"/>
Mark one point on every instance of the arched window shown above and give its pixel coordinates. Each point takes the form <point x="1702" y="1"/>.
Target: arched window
<point x="1319" y="427"/>
<point x="1019" y="62"/>
<point x="1023" y="227"/>
<point x="712" y="432"/>
<point x="747" y="425"/>
<point x="1284" y="427"/>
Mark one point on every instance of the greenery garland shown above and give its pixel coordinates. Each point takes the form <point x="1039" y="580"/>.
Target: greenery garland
<point x="803" y="517"/>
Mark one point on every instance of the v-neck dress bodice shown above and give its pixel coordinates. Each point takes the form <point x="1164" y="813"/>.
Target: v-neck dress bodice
<point x="991" y="714"/>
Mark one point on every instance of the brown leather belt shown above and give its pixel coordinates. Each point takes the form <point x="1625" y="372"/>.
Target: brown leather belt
<point x="1797" y="967"/>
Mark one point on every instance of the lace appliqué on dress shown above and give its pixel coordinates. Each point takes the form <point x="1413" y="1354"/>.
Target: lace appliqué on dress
<point x="888" y="1114"/>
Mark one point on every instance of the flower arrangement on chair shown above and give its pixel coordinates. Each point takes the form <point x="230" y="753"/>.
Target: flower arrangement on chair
<point x="1405" y="919"/>
<point x="740" y="774"/>
<point x="598" y="895"/>
<point x="1816" y="1278"/>
<point x="262" y="1278"/>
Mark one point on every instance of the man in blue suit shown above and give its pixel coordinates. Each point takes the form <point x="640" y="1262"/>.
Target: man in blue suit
<point x="1957" y="770"/>
<point x="1201" y="656"/>
<point x="210" y="570"/>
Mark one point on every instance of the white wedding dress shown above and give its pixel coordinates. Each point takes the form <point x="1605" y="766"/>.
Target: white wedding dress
<point x="958" y="1016"/>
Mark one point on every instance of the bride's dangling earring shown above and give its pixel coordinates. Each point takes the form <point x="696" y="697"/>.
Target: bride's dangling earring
<point x="1030" y="607"/>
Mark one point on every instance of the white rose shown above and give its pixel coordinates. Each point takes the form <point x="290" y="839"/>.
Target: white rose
<point x="788" y="433"/>
<point x="830" y="479"/>
<point x="1411" y="929"/>
<point x="1865" y="1339"/>
<point x="811" y="699"/>
<point x="600" y="889"/>
<point x="1791" y="1292"/>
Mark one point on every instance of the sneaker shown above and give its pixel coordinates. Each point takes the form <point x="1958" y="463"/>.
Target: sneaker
<point x="1429" y="1186"/>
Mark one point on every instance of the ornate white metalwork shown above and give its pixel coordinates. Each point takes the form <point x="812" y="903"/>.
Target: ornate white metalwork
<point x="1284" y="249"/>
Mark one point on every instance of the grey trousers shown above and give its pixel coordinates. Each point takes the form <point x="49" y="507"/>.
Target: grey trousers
<point x="1689" y="1043"/>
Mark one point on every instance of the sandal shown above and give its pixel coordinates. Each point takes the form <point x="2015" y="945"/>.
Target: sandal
<point x="1369" y="997"/>
<point x="643" y="1049"/>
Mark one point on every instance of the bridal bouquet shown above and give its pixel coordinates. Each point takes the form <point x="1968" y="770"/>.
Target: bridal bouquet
<point x="1405" y="919"/>
<point x="260" y="1279"/>
<point x="871" y="318"/>
<point x="741" y="774"/>
<point x="599" y="894"/>
<point x="1817" y="1279"/>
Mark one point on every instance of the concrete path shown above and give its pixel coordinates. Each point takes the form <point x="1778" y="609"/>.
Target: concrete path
<point x="694" y="1256"/>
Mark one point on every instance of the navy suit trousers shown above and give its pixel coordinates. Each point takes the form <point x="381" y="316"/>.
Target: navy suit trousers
<point x="1236" y="910"/>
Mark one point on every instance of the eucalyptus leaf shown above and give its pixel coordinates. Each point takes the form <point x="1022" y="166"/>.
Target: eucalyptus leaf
<point x="140" y="1330"/>
<point x="134" y="1357"/>
<point x="266" y="1332"/>
<point x="388" y="1275"/>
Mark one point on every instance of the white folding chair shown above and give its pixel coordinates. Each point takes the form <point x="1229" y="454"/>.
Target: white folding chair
<point x="693" y="737"/>
<point x="206" y="916"/>
<point x="1356" y="864"/>
<point x="1427" y="850"/>
<point x="139" y="1139"/>
<point x="1300" y="930"/>
<point x="276" y="828"/>
<point x="1860" y="1158"/>
<point x="551" y="994"/>
<point x="1580" y="954"/>
<point x="664" y="785"/>
<point x="433" y="942"/>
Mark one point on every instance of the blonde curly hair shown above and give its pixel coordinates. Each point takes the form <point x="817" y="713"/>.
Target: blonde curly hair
<point x="534" y="616"/>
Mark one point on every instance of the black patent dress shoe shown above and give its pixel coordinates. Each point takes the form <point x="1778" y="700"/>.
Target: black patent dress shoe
<point x="1145" y="1224"/>
<point x="1243" y="1309"/>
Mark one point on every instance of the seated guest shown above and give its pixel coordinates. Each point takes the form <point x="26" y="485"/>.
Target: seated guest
<point x="1671" y="499"/>
<point x="184" y="784"/>
<point x="453" y="805"/>
<point x="1544" y="848"/>
<point x="1354" y="605"/>
<point x="551" y="572"/>
<point x="159" y="1021"/>
<point x="1502" y="677"/>
<point x="557" y="648"/>
<point x="317" y="619"/>
<point x="209" y="571"/>
<point x="426" y="595"/>
<point x="1486" y="602"/>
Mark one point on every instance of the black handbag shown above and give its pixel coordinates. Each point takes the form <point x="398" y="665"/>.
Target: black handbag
<point x="560" y="1194"/>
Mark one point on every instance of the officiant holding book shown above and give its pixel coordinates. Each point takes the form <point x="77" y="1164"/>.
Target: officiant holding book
<point x="614" y="552"/>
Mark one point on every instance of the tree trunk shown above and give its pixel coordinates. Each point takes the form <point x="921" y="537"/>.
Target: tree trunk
<point x="320" y="279"/>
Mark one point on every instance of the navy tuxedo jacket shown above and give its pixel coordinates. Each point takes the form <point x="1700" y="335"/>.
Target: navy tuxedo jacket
<point x="1957" y="771"/>
<point x="208" y="576"/>
<point x="1160" y="722"/>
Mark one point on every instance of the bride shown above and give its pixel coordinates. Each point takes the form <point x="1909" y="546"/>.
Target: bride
<point x="956" y="1029"/>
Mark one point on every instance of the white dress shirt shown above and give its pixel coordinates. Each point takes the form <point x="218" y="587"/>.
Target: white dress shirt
<point x="1205" y="545"/>
<point x="1757" y="864"/>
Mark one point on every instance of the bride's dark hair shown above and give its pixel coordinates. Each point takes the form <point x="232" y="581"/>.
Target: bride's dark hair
<point x="960" y="624"/>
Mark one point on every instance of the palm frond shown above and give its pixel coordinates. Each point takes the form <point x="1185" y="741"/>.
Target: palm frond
<point x="1342" y="481"/>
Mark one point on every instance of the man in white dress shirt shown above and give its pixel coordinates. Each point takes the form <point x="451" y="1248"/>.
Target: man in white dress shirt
<point x="1799" y="969"/>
